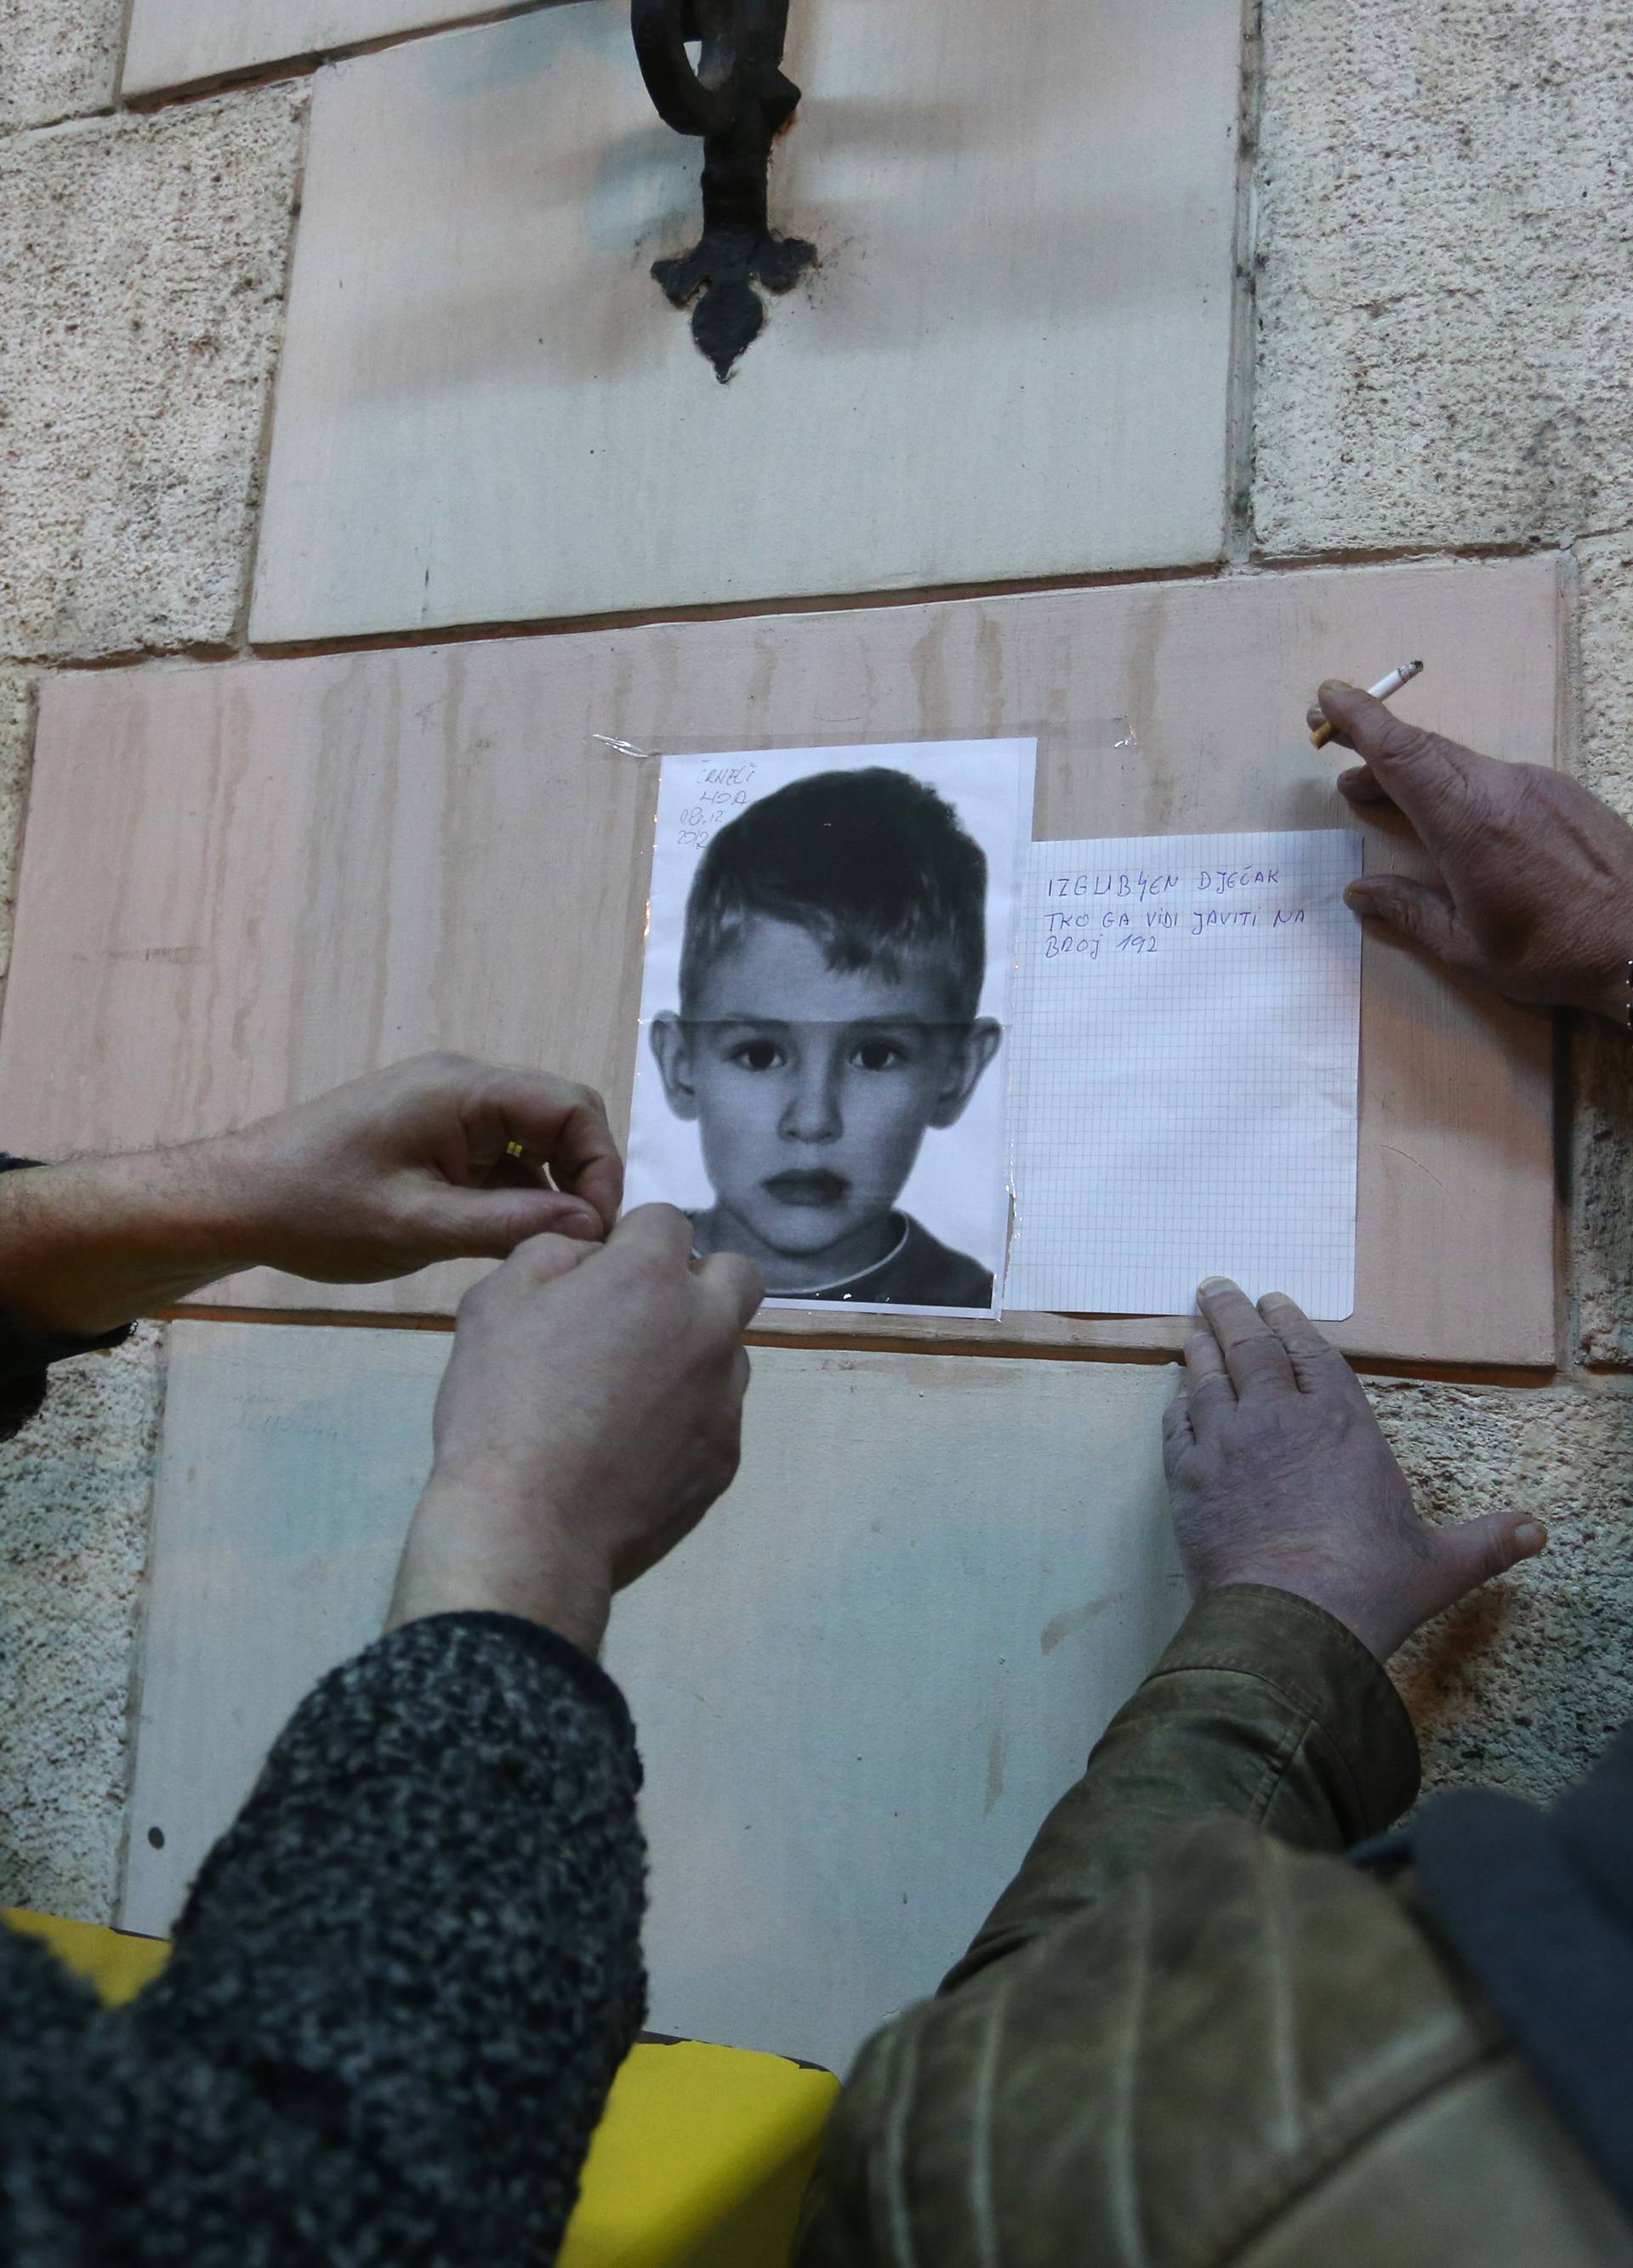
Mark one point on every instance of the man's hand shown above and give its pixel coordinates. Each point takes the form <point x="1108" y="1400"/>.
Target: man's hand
<point x="411" y="1165"/>
<point x="590" y="1415"/>
<point x="1534" y="893"/>
<point x="376" y="1179"/>
<point x="1280" y="1475"/>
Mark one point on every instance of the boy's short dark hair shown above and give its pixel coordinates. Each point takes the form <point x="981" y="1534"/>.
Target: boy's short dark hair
<point x="874" y="864"/>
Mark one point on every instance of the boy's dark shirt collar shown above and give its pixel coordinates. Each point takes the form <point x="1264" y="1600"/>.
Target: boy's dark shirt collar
<point x="918" y="1272"/>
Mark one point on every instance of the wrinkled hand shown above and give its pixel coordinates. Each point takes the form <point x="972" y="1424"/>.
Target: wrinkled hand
<point x="590" y="1415"/>
<point x="1280" y="1475"/>
<point x="376" y="1179"/>
<point x="1534" y="890"/>
<point x="407" y="1166"/>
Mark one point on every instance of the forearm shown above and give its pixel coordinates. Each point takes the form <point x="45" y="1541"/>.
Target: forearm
<point x="1264" y="1708"/>
<point x="88" y="1246"/>
<point x="401" y="1988"/>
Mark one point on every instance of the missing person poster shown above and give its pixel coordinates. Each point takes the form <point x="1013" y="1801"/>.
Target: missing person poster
<point x="823" y="1065"/>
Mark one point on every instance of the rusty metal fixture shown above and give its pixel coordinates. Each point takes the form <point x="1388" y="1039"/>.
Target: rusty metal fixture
<point x="738" y="98"/>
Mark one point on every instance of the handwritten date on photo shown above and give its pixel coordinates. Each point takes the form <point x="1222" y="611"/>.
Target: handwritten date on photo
<point x="1085" y="931"/>
<point x="723" y="795"/>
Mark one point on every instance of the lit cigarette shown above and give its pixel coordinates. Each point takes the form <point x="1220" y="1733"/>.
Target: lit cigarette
<point x="1401" y="675"/>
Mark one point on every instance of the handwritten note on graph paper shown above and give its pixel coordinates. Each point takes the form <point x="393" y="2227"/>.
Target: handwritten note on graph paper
<point x="1185" y="1078"/>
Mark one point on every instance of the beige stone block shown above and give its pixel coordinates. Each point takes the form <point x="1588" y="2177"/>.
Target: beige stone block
<point x="1525" y="1684"/>
<point x="177" y="42"/>
<point x="75" y="1491"/>
<point x="60" y="59"/>
<point x="245" y="883"/>
<point x="859" y="1686"/>
<point x="1010" y="363"/>
<point x="1445" y="293"/>
<point x="16" y="732"/>
<point x="142" y="270"/>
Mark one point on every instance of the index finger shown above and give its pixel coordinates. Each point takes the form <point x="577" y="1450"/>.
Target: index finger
<point x="1432" y="779"/>
<point x="565" y="1124"/>
<point x="1258" y="1362"/>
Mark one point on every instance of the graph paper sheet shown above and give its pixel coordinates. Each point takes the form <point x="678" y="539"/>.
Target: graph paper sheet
<point x="1184" y="1082"/>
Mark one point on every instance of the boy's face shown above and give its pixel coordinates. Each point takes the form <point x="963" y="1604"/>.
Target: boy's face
<point x="813" y="1086"/>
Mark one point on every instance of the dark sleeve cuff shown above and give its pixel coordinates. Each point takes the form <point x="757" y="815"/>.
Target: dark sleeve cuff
<point x="546" y="1646"/>
<point x="1319" y="1669"/>
<point x="24" y="1357"/>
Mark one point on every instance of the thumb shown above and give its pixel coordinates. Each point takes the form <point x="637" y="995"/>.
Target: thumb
<point x="490" y="1224"/>
<point x="1421" y="915"/>
<point x="1473" y="1553"/>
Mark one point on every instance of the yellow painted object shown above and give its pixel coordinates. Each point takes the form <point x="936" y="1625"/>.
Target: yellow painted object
<point x="699" y="2162"/>
<point x="118" y="1966"/>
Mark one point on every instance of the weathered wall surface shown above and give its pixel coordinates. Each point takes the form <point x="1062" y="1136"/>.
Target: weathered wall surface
<point x="143" y="264"/>
<point x="142" y="269"/>
<point x="75" y="1490"/>
<point x="1444" y="250"/>
<point x="17" y="724"/>
<point x="61" y="61"/>
<point x="1444" y="256"/>
<point x="1444" y="313"/>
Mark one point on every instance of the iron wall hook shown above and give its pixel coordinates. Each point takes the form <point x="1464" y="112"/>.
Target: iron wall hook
<point x="738" y="98"/>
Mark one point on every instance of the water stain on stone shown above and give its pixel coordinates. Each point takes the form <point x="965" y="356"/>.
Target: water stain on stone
<point x="1062" y="1626"/>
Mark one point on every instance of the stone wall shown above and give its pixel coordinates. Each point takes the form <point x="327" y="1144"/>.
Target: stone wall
<point x="1444" y="276"/>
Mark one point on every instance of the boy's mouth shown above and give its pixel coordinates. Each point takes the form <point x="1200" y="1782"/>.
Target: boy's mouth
<point x="814" y="1187"/>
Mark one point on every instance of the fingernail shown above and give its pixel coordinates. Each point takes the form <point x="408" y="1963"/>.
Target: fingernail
<point x="1215" y="1284"/>
<point x="1334" y="685"/>
<point x="1530" y="1537"/>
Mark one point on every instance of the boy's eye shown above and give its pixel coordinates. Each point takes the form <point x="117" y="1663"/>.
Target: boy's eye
<point x="756" y="1055"/>
<point x="877" y="1055"/>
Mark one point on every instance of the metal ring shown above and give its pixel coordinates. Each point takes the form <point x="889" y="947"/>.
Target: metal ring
<point x="742" y="42"/>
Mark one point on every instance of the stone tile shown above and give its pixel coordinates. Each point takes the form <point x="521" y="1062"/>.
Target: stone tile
<point x="61" y="60"/>
<point x="245" y="883"/>
<point x="1523" y="1685"/>
<point x="859" y="1686"/>
<point x="75" y="1489"/>
<point x="1011" y="361"/>
<point x="142" y="269"/>
<point x="1446" y="298"/>
<point x="16" y="732"/>
<point x="176" y="42"/>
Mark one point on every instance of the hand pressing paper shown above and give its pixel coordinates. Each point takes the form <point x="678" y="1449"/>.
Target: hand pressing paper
<point x="1183" y="1087"/>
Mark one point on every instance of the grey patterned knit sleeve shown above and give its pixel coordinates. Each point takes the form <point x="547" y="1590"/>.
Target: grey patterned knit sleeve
<point x="401" y="1988"/>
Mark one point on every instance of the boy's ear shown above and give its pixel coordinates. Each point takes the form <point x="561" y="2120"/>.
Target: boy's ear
<point x="973" y="1050"/>
<point x="673" y="1051"/>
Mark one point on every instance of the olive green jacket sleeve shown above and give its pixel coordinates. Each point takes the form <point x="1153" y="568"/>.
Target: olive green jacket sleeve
<point x="1015" y="2120"/>
<point x="1192" y="2035"/>
<point x="1263" y="1709"/>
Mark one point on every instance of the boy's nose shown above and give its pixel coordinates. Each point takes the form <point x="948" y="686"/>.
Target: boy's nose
<point x="813" y="1110"/>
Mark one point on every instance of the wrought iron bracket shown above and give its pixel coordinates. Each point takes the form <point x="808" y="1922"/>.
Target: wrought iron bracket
<point x="738" y="98"/>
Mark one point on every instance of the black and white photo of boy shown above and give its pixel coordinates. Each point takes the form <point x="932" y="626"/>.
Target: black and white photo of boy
<point x="834" y="954"/>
